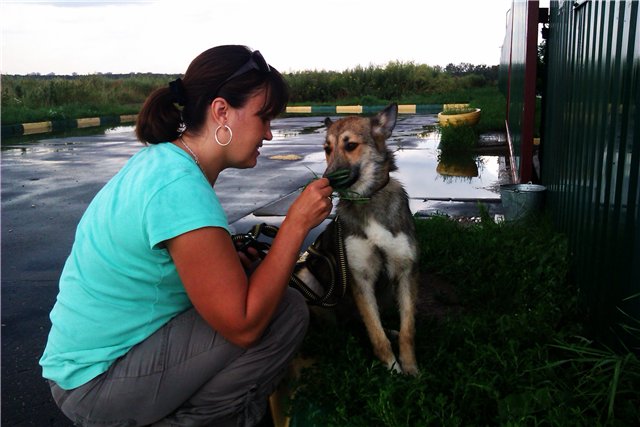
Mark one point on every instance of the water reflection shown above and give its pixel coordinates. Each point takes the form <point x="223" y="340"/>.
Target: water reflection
<point x="465" y="167"/>
<point x="426" y="174"/>
<point x="64" y="137"/>
<point x="461" y="164"/>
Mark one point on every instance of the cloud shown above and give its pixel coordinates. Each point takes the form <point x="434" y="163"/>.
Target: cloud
<point x="163" y="36"/>
<point x="79" y="3"/>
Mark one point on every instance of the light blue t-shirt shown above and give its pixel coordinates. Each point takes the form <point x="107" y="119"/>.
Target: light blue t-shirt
<point x="119" y="284"/>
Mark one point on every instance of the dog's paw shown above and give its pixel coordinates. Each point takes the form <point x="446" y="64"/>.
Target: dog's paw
<point x="394" y="366"/>
<point x="411" y="370"/>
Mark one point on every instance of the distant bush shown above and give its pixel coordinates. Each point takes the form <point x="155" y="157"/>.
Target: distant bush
<point x="38" y="98"/>
<point x="395" y="81"/>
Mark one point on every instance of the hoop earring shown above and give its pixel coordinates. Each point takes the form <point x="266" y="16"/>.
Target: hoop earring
<point x="230" y="136"/>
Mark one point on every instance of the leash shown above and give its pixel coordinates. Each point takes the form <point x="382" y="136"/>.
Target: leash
<point x="338" y="269"/>
<point x="250" y="239"/>
<point x="312" y="258"/>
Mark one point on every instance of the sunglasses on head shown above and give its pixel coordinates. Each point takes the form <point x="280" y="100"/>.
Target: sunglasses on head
<point x="256" y="62"/>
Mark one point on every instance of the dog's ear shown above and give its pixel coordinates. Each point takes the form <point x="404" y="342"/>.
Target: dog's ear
<point x="328" y="122"/>
<point x="384" y="122"/>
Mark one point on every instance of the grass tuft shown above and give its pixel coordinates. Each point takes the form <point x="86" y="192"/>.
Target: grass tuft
<point x="459" y="138"/>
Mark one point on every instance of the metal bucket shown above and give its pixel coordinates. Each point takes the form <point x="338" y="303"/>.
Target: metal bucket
<point x="521" y="200"/>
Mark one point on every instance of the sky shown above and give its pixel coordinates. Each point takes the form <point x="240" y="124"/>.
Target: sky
<point x="163" y="36"/>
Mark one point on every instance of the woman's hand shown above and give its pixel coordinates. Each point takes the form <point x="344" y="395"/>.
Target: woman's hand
<point x="313" y="205"/>
<point x="249" y="258"/>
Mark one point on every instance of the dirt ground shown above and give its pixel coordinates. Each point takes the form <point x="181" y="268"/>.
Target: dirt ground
<point x="437" y="297"/>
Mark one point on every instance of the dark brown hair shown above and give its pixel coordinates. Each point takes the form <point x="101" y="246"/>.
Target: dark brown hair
<point x="161" y="119"/>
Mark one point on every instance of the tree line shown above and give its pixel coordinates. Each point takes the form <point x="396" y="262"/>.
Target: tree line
<point x="54" y="97"/>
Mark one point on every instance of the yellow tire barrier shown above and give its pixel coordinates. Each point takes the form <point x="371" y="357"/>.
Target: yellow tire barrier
<point x="406" y="109"/>
<point x="470" y="119"/>
<point x="299" y="109"/>
<point x="88" y="122"/>
<point x="37" y="127"/>
<point x="128" y="118"/>
<point x="349" y="109"/>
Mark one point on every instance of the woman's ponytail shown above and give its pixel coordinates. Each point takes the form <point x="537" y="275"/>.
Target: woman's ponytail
<point x="159" y="120"/>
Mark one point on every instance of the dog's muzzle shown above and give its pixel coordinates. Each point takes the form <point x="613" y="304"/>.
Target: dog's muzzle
<point x="342" y="178"/>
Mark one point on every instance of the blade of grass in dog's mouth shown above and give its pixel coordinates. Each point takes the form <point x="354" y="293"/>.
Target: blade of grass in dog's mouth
<point x="338" y="179"/>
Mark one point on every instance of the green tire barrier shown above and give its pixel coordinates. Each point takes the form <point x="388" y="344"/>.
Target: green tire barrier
<point x="59" y="125"/>
<point x="362" y="109"/>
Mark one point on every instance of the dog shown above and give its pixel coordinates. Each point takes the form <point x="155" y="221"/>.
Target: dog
<point x="378" y="228"/>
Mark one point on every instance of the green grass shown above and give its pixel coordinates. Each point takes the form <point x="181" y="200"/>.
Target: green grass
<point x="493" y="108"/>
<point x="512" y="356"/>
<point x="452" y="111"/>
<point x="457" y="138"/>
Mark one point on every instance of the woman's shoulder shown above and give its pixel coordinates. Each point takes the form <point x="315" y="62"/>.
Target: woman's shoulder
<point x="166" y="152"/>
<point x="153" y="169"/>
<point x="164" y="159"/>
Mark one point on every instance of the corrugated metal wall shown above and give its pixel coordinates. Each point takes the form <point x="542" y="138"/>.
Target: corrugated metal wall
<point x="591" y="148"/>
<point x="517" y="81"/>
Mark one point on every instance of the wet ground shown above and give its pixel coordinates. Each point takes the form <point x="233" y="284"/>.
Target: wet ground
<point x="48" y="182"/>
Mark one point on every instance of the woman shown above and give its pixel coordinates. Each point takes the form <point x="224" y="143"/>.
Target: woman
<point x="156" y="320"/>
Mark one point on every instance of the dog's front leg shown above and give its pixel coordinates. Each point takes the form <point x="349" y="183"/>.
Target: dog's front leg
<point x="407" y="294"/>
<point x="364" y="297"/>
<point x="365" y="265"/>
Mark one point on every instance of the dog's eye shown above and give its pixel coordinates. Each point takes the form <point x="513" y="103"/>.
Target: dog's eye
<point x="350" y="146"/>
<point x="327" y="149"/>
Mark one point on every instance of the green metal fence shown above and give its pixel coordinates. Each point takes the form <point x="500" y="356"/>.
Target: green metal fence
<point x="591" y="148"/>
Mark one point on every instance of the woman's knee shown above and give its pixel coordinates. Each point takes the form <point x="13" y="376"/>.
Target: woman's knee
<point x="295" y="312"/>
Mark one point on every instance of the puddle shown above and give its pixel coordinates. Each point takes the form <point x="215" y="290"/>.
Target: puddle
<point x="418" y="172"/>
<point x="415" y="144"/>
<point x="297" y="143"/>
<point x="286" y="157"/>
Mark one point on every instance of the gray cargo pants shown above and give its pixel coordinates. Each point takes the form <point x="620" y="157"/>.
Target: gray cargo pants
<point x="186" y="374"/>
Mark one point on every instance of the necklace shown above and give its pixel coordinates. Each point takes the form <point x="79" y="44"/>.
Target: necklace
<point x="194" y="157"/>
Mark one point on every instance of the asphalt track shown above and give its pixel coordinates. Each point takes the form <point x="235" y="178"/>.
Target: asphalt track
<point x="47" y="184"/>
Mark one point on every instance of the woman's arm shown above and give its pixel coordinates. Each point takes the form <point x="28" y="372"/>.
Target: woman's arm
<point x="238" y="307"/>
